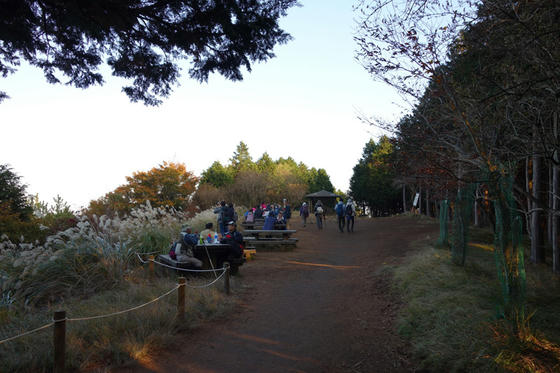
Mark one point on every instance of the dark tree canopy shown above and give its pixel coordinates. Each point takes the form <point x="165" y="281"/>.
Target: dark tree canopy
<point x="140" y="40"/>
<point x="13" y="195"/>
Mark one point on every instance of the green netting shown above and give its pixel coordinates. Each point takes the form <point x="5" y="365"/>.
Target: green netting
<point x="462" y="215"/>
<point x="509" y="250"/>
<point x="443" y="217"/>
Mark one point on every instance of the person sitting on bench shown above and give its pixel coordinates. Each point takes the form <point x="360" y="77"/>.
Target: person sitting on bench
<point x="182" y="249"/>
<point x="280" y="222"/>
<point x="235" y="240"/>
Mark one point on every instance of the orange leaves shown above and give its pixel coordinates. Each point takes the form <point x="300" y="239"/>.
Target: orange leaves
<point x="169" y="184"/>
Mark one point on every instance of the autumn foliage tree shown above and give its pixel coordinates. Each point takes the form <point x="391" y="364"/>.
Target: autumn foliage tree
<point x="169" y="184"/>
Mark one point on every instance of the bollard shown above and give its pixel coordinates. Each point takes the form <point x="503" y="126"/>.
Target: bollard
<point x="226" y="278"/>
<point x="181" y="300"/>
<point x="59" y="340"/>
<point x="151" y="259"/>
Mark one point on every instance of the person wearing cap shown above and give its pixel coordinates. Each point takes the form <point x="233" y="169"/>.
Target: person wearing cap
<point x="350" y="212"/>
<point x="304" y="213"/>
<point x="182" y="249"/>
<point x="233" y="238"/>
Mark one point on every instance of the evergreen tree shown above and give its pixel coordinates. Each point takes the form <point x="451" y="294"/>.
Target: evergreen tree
<point x="139" y="40"/>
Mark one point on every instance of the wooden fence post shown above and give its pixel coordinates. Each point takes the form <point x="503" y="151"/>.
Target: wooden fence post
<point x="151" y="259"/>
<point x="181" y="300"/>
<point x="59" y="341"/>
<point x="226" y="278"/>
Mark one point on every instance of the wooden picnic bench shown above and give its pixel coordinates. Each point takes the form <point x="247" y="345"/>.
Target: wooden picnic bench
<point x="257" y="224"/>
<point x="263" y="237"/>
<point x="211" y="255"/>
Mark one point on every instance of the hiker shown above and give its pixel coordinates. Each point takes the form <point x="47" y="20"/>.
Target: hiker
<point x="350" y="212"/>
<point x="235" y="239"/>
<point x="207" y="235"/>
<point x="280" y="221"/>
<point x="220" y="211"/>
<point x="287" y="212"/>
<point x="258" y="212"/>
<point x="182" y="249"/>
<point x="229" y="213"/>
<point x="304" y="213"/>
<point x="269" y="221"/>
<point x="319" y="211"/>
<point x="339" y="208"/>
<point x="250" y="216"/>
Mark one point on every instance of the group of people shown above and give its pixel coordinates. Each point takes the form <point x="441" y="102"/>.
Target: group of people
<point x="345" y="213"/>
<point x="182" y="249"/>
<point x="275" y="216"/>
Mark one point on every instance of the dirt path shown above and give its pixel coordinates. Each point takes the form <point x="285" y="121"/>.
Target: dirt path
<point x="319" y="308"/>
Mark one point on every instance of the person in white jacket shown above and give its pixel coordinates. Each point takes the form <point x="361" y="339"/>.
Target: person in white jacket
<point x="350" y="212"/>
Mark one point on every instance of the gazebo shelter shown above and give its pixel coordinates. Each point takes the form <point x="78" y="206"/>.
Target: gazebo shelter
<point x="328" y="199"/>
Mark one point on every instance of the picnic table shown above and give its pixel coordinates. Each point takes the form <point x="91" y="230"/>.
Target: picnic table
<point x="264" y="237"/>
<point x="256" y="224"/>
<point x="212" y="255"/>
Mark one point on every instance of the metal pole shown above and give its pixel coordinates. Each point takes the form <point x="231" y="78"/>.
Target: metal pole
<point x="226" y="278"/>
<point x="59" y="340"/>
<point x="181" y="299"/>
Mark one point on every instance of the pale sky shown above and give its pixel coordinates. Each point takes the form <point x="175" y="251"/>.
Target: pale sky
<point x="81" y="144"/>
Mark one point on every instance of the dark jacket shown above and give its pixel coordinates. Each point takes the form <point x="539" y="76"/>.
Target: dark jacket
<point x="235" y="240"/>
<point x="288" y="212"/>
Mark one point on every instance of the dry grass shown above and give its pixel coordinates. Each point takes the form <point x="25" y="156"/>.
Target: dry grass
<point x="94" y="344"/>
<point x="450" y="313"/>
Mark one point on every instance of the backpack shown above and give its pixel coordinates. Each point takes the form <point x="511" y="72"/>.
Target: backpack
<point x="228" y="214"/>
<point x="349" y="210"/>
<point x="339" y="209"/>
<point x="319" y="210"/>
<point x="175" y="249"/>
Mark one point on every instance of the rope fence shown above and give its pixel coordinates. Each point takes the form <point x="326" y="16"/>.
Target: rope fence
<point x="60" y="319"/>
<point x="177" y="268"/>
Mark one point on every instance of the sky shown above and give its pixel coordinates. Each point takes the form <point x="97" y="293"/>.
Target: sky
<point x="304" y="103"/>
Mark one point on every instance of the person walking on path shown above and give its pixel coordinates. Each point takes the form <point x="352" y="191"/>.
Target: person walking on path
<point x="350" y="212"/>
<point x="304" y="213"/>
<point x="339" y="208"/>
<point x="287" y="212"/>
<point x="319" y="211"/>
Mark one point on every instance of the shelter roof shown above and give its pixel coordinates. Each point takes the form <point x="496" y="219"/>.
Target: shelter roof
<point x="322" y="194"/>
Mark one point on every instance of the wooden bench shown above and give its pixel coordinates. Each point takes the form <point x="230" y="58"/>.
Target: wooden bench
<point x="211" y="255"/>
<point x="257" y="224"/>
<point x="255" y="238"/>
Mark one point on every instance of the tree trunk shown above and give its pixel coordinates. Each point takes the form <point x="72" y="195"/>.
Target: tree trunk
<point x="549" y="202"/>
<point x="475" y="209"/>
<point x="555" y="206"/>
<point x="555" y="203"/>
<point x="529" y="203"/>
<point x="428" y="203"/>
<point x="420" y="199"/>
<point x="404" y="197"/>
<point x="537" y="244"/>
